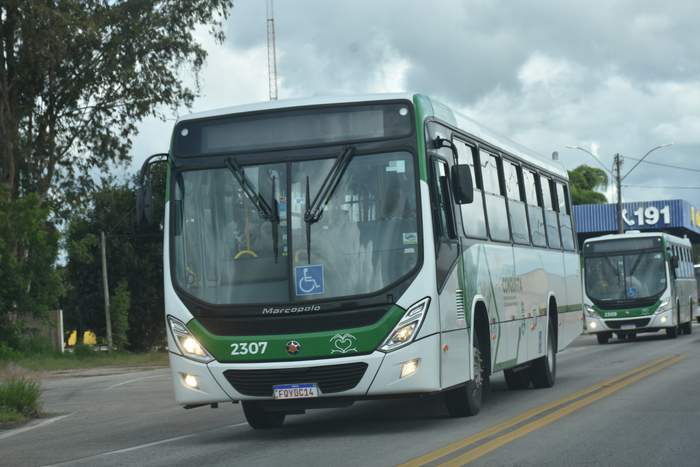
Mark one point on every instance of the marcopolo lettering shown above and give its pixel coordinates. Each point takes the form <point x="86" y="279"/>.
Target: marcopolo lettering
<point x="290" y="310"/>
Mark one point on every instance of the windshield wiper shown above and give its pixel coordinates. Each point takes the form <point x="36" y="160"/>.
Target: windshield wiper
<point x="314" y="209"/>
<point x="255" y="197"/>
<point x="266" y="212"/>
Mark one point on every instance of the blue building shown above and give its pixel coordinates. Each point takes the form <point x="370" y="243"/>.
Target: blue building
<point x="675" y="216"/>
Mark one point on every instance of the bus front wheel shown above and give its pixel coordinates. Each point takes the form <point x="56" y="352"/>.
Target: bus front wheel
<point x="465" y="400"/>
<point x="672" y="332"/>
<point x="261" y="419"/>
<point x="603" y="337"/>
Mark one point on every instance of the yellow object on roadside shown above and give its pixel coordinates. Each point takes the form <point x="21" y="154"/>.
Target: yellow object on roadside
<point x="89" y="338"/>
<point x="72" y="338"/>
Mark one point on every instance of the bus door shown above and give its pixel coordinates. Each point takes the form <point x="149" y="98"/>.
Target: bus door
<point x="454" y="366"/>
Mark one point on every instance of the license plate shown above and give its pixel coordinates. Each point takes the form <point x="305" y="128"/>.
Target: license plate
<point x="295" y="391"/>
<point x="628" y="326"/>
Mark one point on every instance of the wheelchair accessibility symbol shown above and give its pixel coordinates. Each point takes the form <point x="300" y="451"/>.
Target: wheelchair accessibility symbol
<point x="309" y="279"/>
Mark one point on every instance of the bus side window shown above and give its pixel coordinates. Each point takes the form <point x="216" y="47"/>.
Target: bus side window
<point x="534" y="209"/>
<point x="565" y="226"/>
<point x="496" y="211"/>
<point x="516" y="206"/>
<point x="473" y="216"/>
<point x="550" y="215"/>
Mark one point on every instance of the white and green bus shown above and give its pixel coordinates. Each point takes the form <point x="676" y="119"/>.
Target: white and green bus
<point x="321" y="252"/>
<point x="638" y="282"/>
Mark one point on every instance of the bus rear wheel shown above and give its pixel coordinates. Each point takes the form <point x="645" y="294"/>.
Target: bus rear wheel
<point x="543" y="371"/>
<point x="261" y="419"/>
<point x="466" y="400"/>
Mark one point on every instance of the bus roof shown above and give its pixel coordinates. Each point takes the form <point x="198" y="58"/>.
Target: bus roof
<point x="290" y="103"/>
<point x="638" y="234"/>
<point x="430" y="108"/>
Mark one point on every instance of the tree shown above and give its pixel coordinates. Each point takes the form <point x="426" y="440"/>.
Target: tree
<point x="77" y="75"/>
<point x="119" y="313"/>
<point x="134" y="263"/>
<point x="29" y="280"/>
<point x="584" y="180"/>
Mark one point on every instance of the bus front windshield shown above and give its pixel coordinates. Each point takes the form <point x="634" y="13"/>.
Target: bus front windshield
<point x="227" y="250"/>
<point x="625" y="277"/>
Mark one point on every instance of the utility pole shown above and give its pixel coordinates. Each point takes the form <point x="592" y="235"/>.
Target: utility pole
<point x="271" y="51"/>
<point x="618" y="182"/>
<point x="617" y="175"/>
<point x="105" y="287"/>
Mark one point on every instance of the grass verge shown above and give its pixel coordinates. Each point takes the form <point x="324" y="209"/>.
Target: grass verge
<point x="84" y="360"/>
<point x="19" y="398"/>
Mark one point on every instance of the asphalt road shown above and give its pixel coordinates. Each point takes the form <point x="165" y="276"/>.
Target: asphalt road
<point x="646" y="412"/>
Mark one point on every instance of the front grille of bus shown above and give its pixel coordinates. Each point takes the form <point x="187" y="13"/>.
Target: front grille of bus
<point x="330" y="378"/>
<point x="271" y="325"/>
<point x="639" y="323"/>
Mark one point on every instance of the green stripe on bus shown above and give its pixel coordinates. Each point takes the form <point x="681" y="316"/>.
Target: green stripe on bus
<point x="627" y="312"/>
<point x="326" y="344"/>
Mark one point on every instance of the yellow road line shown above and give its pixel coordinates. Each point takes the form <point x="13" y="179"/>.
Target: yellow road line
<point x="551" y="418"/>
<point x="457" y="445"/>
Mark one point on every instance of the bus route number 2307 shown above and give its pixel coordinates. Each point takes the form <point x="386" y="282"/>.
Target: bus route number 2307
<point x="248" y="348"/>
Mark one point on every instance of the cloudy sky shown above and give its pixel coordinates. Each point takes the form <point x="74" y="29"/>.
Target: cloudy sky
<point x="612" y="76"/>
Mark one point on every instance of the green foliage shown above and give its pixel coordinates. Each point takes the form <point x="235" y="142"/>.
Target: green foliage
<point x="119" y="312"/>
<point x="34" y="345"/>
<point x="87" y="357"/>
<point x="584" y="180"/>
<point x="78" y="75"/>
<point x="29" y="281"/>
<point x="20" y="395"/>
<point x="7" y="353"/>
<point x="83" y="351"/>
<point x="134" y="264"/>
<point x="10" y="416"/>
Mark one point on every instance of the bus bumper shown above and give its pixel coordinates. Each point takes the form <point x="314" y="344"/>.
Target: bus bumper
<point x="655" y="322"/>
<point x="382" y="378"/>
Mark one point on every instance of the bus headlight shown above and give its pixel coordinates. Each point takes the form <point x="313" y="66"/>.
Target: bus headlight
<point x="590" y="311"/>
<point x="407" y="328"/>
<point x="186" y="343"/>
<point x="663" y="307"/>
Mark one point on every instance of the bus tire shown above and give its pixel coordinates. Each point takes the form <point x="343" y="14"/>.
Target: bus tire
<point x="516" y="380"/>
<point x="465" y="400"/>
<point x="688" y="327"/>
<point x="543" y="371"/>
<point x="672" y="332"/>
<point x="603" y="337"/>
<point x="260" y="419"/>
<point x="697" y="318"/>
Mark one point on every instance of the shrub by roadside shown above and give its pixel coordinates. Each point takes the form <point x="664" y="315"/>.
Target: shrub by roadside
<point x="19" y="398"/>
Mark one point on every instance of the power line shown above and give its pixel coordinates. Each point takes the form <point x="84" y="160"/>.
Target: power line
<point x="665" y="187"/>
<point x="660" y="164"/>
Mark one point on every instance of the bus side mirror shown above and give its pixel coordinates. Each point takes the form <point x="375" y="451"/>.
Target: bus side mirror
<point x="462" y="184"/>
<point x="145" y="199"/>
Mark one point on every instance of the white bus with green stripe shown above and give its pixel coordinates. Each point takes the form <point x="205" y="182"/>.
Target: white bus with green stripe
<point x="321" y="252"/>
<point x="638" y="282"/>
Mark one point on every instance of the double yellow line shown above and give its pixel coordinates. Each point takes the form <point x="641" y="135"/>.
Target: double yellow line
<point x="458" y="453"/>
